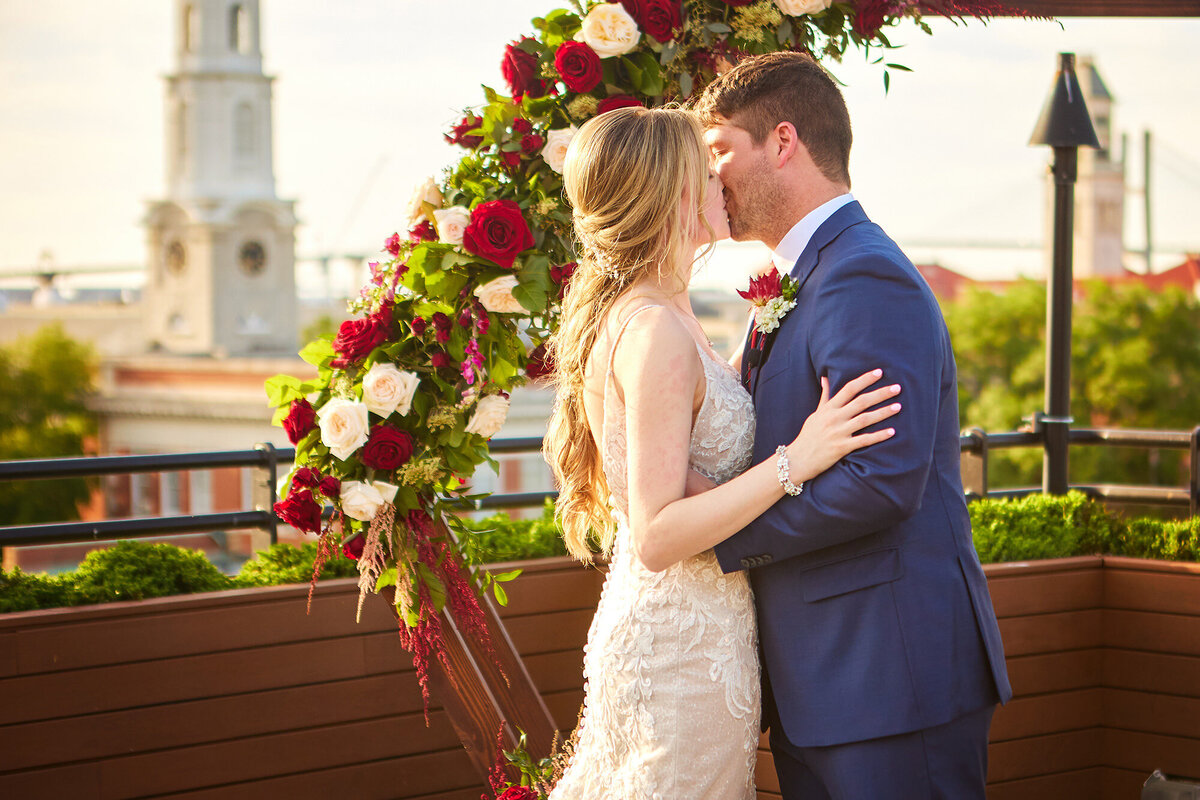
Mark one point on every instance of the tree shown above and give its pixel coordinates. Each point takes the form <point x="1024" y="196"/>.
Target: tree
<point x="1135" y="354"/>
<point x="45" y="380"/>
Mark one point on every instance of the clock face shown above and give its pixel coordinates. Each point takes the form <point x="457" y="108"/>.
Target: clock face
<point x="176" y="258"/>
<point x="253" y="258"/>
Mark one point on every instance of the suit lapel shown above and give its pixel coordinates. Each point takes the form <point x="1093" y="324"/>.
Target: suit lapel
<point x="845" y="217"/>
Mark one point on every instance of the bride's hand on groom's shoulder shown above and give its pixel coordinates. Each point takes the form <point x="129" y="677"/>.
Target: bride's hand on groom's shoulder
<point x="833" y="430"/>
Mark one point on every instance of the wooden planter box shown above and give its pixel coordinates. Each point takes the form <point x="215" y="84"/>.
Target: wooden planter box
<point x="241" y="695"/>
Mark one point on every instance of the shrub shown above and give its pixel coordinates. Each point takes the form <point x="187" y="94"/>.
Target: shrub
<point x="26" y="591"/>
<point x="137" y="570"/>
<point x="500" y="538"/>
<point x="285" y="563"/>
<point x="1047" y="526"/>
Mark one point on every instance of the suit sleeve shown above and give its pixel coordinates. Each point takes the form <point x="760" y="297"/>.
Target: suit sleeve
<point x="870" y="314"/>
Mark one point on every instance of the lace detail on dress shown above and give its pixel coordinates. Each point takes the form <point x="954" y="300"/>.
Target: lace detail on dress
<point x="653" y="727"/>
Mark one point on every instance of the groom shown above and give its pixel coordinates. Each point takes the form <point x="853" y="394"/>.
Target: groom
<point x="881" y="655"/>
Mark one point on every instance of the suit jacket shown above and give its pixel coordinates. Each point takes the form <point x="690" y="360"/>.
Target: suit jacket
<point x="873" y="611"/>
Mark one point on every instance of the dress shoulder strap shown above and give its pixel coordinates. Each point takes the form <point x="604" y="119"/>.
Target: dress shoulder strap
<point x="612" y="351"/>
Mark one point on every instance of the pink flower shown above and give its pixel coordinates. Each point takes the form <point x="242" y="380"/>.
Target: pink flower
<point x="392" y="245"/>
<point x="423" y="232"/>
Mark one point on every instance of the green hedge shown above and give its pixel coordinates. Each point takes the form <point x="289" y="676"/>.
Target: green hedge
<point x="1045" y="526"/>
<point x="1034" y="527"/>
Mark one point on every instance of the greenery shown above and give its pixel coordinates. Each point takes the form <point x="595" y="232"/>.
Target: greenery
<point x="324" y="325"/>
<point x="285" y="563"/>
<point x="45" y="379"/>
<point x="133" y="570"/>
<point x="501" y="538"/>
<point x="1135" y="358"/>
<point x="1045" y="526"/>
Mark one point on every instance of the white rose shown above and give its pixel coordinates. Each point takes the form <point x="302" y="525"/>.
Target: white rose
<point x="387" y="389"/>
<point x="609" y="30"/>
<point x="386" y="490"/>
<point x="796" y="8"/>
<point x="360" y="500"/>
<point x="555" y="150"/>
<point x="489" y="416"/>
<point x="343" y="426"/>
<point x="451" y="222"/>
<point x="497" y="296"/>
<point x="426" y="192"/>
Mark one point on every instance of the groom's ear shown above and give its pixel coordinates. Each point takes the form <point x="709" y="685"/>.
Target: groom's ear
<point x="784" y="142"/>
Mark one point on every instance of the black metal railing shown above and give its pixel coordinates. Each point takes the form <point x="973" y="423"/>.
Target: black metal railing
<point x="976" y="446"/>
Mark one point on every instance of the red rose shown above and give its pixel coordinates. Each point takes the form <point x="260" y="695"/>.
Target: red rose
<point x="418" y="326"/>
<point x="637" y="10"/>
<point x="531" y="143"/>
<point x="870" y="17"/>
<point x="522" y="125"/>
<point x="540" y="364"/>
<point x="305" y="478"/>
<point x="300" y="511"/>
<point x="440" y="360"/>
<point x="617" y="101"/>
<point x="392" y="245"/>
<point x="498" y="232"/>
<point x="518" y="793"/>
<point x="423" y="232"/>
<point x="661" y="18"/>
<point x="511" y="158"/>
<point x="579" y="66"/>
<point x="442" y="327"/>
<point x="520" y="70"/>
<point x="358" y="337"/>
<point x="352" y="548"/>
<point x="561" y="274"/>
<point x="330" y="486"/>
<point x="300" y="421"/>
<point x="388" y="448"/>
<point x="458" y="133"/>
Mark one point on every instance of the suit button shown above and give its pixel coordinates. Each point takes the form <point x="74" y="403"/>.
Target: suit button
<point x="747" y="563"/>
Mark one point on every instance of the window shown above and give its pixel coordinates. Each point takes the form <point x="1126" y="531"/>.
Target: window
<point x="191" y="29"/>
<point x="239" y="29"/>
<point x="200" y="491"/>
<point x="243" y="131"/>
<point x="168" y="494"/>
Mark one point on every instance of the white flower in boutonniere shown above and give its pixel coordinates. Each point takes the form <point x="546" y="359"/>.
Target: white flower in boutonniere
<point x="773" y="296"/>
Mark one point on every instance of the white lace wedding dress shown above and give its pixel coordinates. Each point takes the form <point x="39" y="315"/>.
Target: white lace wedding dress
<point x="671" y="664"/>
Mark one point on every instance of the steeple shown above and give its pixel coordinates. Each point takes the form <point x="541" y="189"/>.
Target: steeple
<point x="222" y="244"/>
<point x="1100" y="192"/>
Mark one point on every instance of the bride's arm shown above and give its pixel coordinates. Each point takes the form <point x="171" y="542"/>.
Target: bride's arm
<point x="658" y="369"/>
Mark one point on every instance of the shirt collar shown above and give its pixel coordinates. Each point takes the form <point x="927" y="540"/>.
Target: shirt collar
<point x="792" y="245"/>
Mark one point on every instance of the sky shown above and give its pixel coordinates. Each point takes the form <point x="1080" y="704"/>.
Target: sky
<point x="366" y="88"/>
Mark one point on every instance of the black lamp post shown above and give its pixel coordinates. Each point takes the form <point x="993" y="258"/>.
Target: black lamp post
<point x="1065" y="126"/>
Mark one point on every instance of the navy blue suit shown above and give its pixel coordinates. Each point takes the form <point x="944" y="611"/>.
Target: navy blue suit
<point x="873" y="611"/>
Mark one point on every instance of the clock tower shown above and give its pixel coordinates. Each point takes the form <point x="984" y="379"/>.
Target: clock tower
<point x="221" y="246"/>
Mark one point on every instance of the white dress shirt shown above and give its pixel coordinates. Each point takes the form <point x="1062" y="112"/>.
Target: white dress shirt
<point x="792" y="245"/>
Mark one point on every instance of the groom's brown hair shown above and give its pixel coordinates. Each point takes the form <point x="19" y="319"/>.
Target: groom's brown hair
<point x="763" y="91"/>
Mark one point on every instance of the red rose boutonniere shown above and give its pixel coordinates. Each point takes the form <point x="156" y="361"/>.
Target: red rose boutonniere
<point x="773" y="296"/>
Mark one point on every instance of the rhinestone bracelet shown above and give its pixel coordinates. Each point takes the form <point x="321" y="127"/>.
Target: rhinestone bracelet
<point x="784" y="470"/>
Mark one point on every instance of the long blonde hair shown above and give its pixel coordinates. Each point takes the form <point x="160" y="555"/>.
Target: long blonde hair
<point x="636" y="179"/>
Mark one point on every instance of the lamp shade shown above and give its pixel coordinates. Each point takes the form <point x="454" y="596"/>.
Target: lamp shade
<point x="1065" y="121"/>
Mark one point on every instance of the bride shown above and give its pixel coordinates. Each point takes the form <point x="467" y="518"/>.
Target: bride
<point x="671" y="663"/>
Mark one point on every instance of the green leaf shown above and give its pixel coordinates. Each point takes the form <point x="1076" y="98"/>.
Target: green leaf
<point x="501" y="595"/>
<point x="636" y="74"/>
<point x="282" y="389"/>
<point x="318" y="352"/>
<point x="437" y="591"/>
<point x="386" y="578"/>
<point x="652" y="77"/>
<point x="685" y="84"/>
<point x="719" y="27"/>
<point x="504" y="577"/>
